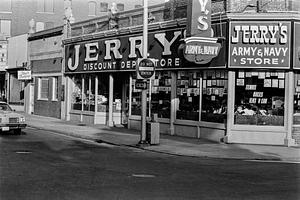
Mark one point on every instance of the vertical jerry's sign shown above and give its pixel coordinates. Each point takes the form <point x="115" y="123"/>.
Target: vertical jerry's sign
<point x="199" y="18"/>
<point x="200" y="47"/>
<point x="259" y="44"/>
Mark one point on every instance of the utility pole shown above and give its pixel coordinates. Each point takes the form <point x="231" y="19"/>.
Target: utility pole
<point x="144" y="91"/>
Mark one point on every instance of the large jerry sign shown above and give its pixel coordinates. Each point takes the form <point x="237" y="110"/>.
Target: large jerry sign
<point x="259" y="44"/>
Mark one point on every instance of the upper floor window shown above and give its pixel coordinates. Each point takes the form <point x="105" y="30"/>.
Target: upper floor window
<point x="5" y="6"/>
<point x="45" y="6"/>
<point x="120" y="7"/>
<point x="92" y="8"/>
<point x="103" y="7"/>
<point x="5" y="26"/>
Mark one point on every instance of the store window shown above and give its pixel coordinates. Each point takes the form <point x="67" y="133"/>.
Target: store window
<point x="5" y="6"/>
<point x="92" y="8"/>
<point x="45" y="6"/>
<point x="188" y="93"/>
<point x="88" y="97"/>
<point x="161" y="94"/>
<point x="103" y="7"/>
<point x="103" y="92"/>
<point x="214" y="96"/>
<point x="76" y="102"/>
<point x="43" y="88"/>
<point x="259" y="98"/>
<point x="297" y="99"/>
<point x="136" y="102"/>
<point x="54" y="88"/>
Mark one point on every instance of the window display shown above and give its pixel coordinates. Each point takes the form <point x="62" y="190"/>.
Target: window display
<point x="136" y="103"/>
<point x="103" y="93"/>
<point x="259" y="98"/>
<point x="161" y="94"/>
<point x="188" y="93"/>
<point x="89" y="93"/>
<point x="297" y="99"/>
<point x="77" y="93"/>
<point x="214" y="96"/>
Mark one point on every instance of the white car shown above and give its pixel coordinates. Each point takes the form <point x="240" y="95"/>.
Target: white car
<point x="10" y="120"/>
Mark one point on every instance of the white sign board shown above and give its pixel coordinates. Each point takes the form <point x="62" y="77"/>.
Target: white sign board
<point x="24" y="75"/>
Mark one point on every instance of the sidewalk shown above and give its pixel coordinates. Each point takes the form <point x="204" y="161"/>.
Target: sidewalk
<point x="168" y="144"/>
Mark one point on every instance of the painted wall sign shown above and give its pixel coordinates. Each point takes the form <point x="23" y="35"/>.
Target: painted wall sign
<point x="121" y="53"/>
<point x="296" y="45"/>
<point x="259" y="44"/>
<point x="199" y="18"/>
<point x="201" y="51"/>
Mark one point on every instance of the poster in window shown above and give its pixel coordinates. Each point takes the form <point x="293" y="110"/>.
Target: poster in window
<point x="298" y="82"/>
<point x="261" y="75"/>
<point x="241" y="74"/>
<point x="250" y="87"/>
<point x="208" y="83"/>
<point x="267" y="82"/>
<point x="252" y="100"/>
<point x="213" y="74"/>
<point x="214" y="82"/>
<point x="222" y="74"/>
<point x="248" y="74"/>
<point x="280" y="74"/>
<point x="258" y="94"/>
<point x="275" y="83"/>
<point x="213" y="98"/>
<point x="240" y="82"/>
<point x="254" y="73"/>
<point x="281" y="83"/>
<point x="218" y="74"/>
<point x="268" y="74"/>
<point x="204" y="83"/>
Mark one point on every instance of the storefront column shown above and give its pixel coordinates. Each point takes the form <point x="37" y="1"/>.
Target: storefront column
<point x="289" y="111"/>
<point x="230" y="105"/>
<point x="130" y="100"/>
<point x="110" y="101"/>
<point x="174" y="99"/>
<point x="69" y="88"/>
<point x="96" y="99"/>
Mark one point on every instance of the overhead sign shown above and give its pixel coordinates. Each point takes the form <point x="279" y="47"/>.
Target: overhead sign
<point x="201" y="50"/>
<point x="259" y="44"/>
<point x="146" y="68"/>
<point x="24" y="75"/>
<point x="199" y="18"/>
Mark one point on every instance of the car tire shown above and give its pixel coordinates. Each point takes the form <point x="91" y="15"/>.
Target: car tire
<point x="18" y="131"/>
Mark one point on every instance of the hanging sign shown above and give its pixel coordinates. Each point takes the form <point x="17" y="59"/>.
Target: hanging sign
<point x="200" y="47"/>
<point x="146" y="68"/>
<point x="199" y="50"/>
<point x="24" y="75"/>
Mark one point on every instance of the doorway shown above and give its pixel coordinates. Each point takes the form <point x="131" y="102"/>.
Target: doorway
<point x="121" y="98"/>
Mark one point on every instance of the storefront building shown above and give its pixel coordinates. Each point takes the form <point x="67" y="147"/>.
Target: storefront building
<point x="244" y="94"/>
<point x="44" y="91"/>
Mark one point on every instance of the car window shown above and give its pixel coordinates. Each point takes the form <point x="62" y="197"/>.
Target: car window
<point x="5" y="107"/>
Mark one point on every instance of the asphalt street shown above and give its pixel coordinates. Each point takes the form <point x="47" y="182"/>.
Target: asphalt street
<point x="44" y="165"/>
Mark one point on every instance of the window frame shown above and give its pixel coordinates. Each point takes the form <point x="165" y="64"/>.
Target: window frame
<point x="89" y="8"/>
<point x="5" y="20"/>
<point x="103" y="8"/>
<point x="40" y="89"/>
<point x="9" y="5"/>
<point x="41" y="6"/>
<point x="55" y="88"/>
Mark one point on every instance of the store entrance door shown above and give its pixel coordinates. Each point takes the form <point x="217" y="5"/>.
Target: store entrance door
<point x="121" y="98"/>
